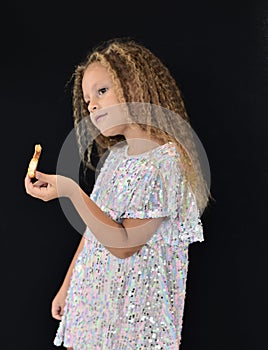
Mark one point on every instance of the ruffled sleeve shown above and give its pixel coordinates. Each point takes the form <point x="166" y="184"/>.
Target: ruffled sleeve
<point x="189" y="221"/>
<point x="165" y="192"/>
<point x="154" y="194"/>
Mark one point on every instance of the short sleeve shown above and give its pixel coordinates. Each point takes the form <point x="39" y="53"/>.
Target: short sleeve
<point x="189" y="221"/>
<point x="165" y="192"/>
<point x="154" y="195"/>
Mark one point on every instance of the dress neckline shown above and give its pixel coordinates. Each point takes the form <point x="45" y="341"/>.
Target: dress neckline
<point x="147" y="152"/>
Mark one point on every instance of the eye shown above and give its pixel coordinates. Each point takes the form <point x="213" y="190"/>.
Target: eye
<point x="102" y="91"/>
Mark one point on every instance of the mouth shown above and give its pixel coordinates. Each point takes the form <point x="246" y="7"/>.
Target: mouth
<point x="97" y="118"/>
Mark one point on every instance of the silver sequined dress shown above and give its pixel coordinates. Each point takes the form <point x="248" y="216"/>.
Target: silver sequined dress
<point x="134" y="303"/>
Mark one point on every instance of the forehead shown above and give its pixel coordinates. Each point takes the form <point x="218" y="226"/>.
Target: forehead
<point x="94" y="72"/>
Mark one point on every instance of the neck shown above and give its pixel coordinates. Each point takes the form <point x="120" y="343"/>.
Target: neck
<point x="139" y="141"/>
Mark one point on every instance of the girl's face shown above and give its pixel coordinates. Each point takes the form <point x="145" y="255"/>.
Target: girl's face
<point x="100" y="97"/>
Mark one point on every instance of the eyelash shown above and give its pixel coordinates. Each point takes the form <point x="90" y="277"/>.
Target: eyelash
<point x="105" y="90"/>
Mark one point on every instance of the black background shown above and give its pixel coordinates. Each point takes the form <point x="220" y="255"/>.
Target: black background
<point x="217" y="51"/>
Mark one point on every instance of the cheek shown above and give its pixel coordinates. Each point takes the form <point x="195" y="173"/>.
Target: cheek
<point x="112" y="99"/>
<point x="115" y="120"/>
<point x="113" y="124"/>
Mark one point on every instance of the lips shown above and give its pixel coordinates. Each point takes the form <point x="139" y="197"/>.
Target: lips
<point x="97" y="118"/>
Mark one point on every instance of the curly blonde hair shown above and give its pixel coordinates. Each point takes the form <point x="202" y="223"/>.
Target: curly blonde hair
<point x="138" y="76"/>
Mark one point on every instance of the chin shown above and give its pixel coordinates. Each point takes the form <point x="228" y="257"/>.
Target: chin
<point x="112" y="132"/>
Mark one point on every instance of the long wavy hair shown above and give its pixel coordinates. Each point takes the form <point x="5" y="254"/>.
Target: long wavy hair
<point x="138" y="76"/>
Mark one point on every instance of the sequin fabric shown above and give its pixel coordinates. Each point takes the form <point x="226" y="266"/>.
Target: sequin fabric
<point x="138" y="302"/>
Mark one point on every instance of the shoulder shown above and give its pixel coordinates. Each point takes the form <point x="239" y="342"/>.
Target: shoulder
<point x="166" y="156"/>
<point x="112" y="155"/>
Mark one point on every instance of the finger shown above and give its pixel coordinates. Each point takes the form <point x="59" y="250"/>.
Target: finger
<point x="56" y="313"/>
<point x="27" y="178"/>
<point x="40" y="192"/>
<point x="39" y="183"/>
<point x="57" y="316"/>
<point x="43" y="177"/>
<point x="28" y="183"/>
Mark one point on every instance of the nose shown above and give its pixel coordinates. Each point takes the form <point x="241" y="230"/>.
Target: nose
<point x="92" y="107"/>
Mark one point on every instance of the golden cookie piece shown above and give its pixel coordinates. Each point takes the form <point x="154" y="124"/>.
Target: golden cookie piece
<point x="34" y="161"/>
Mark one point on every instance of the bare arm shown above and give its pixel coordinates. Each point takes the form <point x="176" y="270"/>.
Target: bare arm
<point x="122" y="240"/>
<point x="58" y="303"/>
<point x="131" y="235"/>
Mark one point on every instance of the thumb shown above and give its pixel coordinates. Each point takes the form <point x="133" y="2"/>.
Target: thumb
<point x="41" y="176"/>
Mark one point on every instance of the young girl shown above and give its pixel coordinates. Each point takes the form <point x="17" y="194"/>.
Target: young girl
<point x="126" y="285"/>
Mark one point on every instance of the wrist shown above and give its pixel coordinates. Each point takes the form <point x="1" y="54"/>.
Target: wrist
<point x="66" y="187"/>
